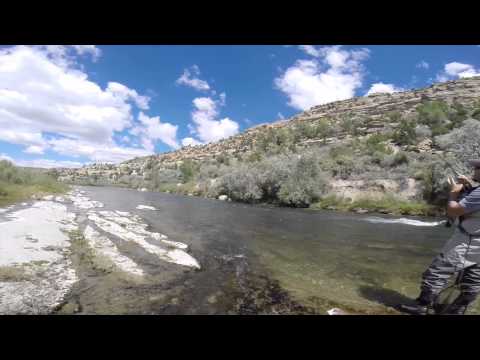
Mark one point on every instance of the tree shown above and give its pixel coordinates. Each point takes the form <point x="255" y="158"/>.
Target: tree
<point x="323" y="130"/>
<point x="187" y="169"/>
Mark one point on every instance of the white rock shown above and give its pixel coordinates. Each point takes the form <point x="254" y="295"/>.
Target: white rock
<point x="145" y="207"/>
<point x="139" y="235"/>
<point x="104" y="246"/>
<point x="223" y="197"/>
<point x="35" y="237"/>
<point x="336" y="311"/>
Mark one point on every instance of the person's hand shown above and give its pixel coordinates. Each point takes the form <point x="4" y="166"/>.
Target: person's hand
<point x="454" y="187"/>
<point x="462" y="179"/>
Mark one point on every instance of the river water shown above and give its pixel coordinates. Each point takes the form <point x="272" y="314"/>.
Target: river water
<point x="253" y="259"/>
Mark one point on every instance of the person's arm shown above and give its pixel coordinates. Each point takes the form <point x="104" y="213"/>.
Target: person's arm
<point x="467" y="205"/>
<point x="454" y="209"/>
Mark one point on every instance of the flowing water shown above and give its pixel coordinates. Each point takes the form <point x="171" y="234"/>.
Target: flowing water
<point x="154" y="253"/>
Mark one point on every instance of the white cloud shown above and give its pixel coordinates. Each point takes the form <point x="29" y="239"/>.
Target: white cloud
<point x="333" y="74"/>
<point x="152" y="129"/>
<point x="190" y="142"/>
<point x="383" y="88"/>
<point x="310" y="50"/>
<point x="6" y="157"/>
<point x="62" y="55"/>
<point x="42" y="91"/>
<point x="423" y="65"/>
<point x="223" y="99"/>
<point x="33" y="149"/>
<point x="280" y="116"/>
<point x="207" y="128"/>
<point x="190" y="80"/>
<point x="456" y="70"/>
<point x="460" y="70"/>
<point x="108" y="152"/>
<point x="48" y="163"/>
<point x="124" y="93"/>
<point x="88" y="49"/>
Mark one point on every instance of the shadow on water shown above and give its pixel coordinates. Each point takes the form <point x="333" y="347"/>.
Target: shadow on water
<point x="387" y="297"/>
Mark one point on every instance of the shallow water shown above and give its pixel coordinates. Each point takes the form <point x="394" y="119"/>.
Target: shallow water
<point x="321" y="258"/>
<point x="253" y="259"/>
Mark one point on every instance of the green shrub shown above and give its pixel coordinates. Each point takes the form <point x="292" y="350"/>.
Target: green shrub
<point x="188" y="168"/>
<point x="433" y="113"/>
<point x="405" y="133"/>
<point x="458" y="113"/>
<point x="222" y="158"/>
<point x="375" y="143"/>
<point x="304" y="184"/>
<point x="399" y="159"/>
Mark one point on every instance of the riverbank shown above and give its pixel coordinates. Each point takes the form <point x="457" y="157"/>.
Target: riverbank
<point x="254" y="259"/>
<point x="12" y="193"/>
<point x="21" y="184"/>
<point x="387" y="204"/>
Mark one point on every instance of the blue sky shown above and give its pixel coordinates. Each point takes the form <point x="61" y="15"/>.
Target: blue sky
<point x="73" y="105"/>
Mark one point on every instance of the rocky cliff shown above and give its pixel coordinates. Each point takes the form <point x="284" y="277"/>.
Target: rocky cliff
<point x="373" y="108"/>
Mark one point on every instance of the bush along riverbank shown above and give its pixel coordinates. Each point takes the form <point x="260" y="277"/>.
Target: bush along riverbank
<point x="346" y="163"/>
<point x="19" y="184"/>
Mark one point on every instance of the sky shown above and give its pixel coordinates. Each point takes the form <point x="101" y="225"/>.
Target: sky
<point x="73" y="105"/>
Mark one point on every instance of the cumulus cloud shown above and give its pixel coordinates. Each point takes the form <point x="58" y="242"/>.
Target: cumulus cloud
<point x="64" y="55"/>
<point x="333" y="74"/>
<point x="124" y="93"/>
<point x="423" y="65"/>
<point x="6" y="157"/>
<point x="383" y="88"/>
<point x="43" y="92"/>
<point x="455" y="70"/>
<point x="190" y="142"/>
<point x="193" y="81"/>
<point x="310" y="50"/>
<point x="152" y="129"/>
<point x="205" y="124"/>
<point x="88" y="49"/>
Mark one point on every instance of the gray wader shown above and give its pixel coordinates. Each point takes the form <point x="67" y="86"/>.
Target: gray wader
<point x="462" y="252"/>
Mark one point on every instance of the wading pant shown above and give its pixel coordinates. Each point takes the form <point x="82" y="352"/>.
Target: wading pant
<point x="435" y="279"/>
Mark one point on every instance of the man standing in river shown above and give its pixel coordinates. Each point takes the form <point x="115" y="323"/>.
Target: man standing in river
<point x="462" y="251"/>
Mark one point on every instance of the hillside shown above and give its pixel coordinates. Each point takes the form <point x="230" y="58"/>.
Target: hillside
<point x="387" y="152"/>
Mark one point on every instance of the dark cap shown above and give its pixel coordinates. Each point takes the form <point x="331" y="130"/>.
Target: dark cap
<point x="474" y="163"/>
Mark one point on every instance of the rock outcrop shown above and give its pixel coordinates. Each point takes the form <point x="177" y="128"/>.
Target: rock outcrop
<point x="373" y="108"/>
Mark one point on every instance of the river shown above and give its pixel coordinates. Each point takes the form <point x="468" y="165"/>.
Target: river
<point x="215" y="257"/>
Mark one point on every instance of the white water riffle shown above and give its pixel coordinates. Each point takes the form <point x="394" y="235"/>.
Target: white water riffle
<point x="378" y="220"/>
<point x="33" y="242"/>
<point x="83" y="202"/>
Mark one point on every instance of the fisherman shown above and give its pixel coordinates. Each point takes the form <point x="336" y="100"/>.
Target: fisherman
<point x="461" y="252"/>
